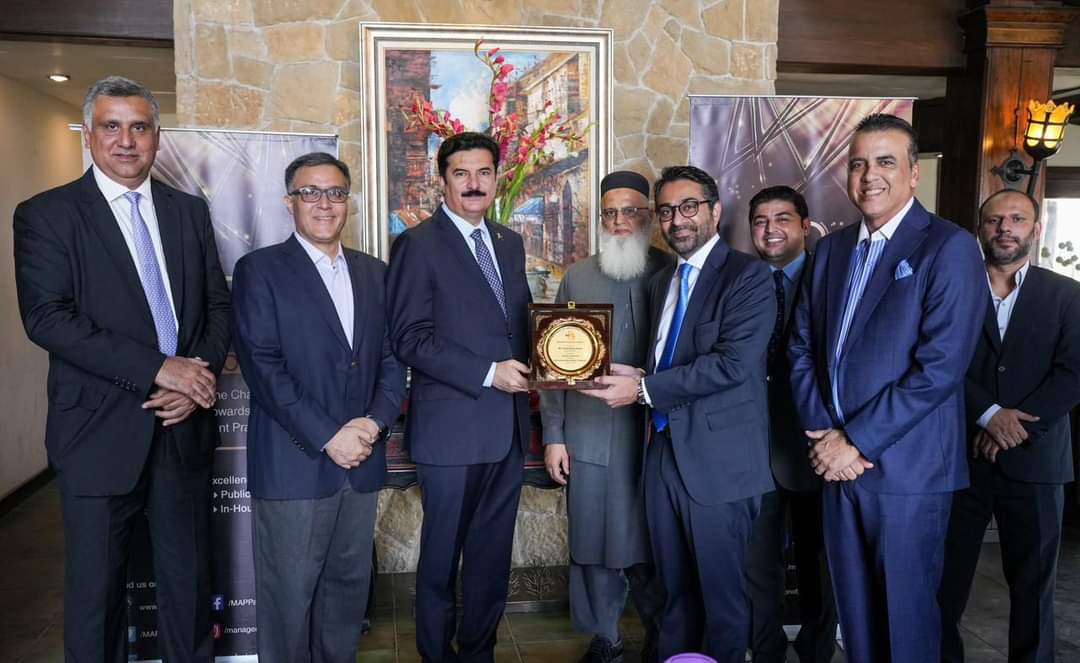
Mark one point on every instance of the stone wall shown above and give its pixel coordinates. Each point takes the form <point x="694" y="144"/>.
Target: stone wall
<point x="292" y="65"/>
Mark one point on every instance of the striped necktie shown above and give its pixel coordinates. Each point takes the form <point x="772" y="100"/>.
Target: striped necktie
<point x="152" y="282"/>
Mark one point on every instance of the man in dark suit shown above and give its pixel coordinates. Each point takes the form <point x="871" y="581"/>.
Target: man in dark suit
<point x="311" y="336"/>
<point x="119" y="280"/>
<point x="459" y="317"/>
<point x="884" y="330"/>
<point x="707" y="463"/>
<point x="596" y="452"/>
<point x="1020" y="387"/>
<point x="779" y="226"/>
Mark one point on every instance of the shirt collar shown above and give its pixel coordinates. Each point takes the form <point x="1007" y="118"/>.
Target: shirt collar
<point x="886" y="231"/>
<point x="463" y="226"/>
<point x="793" y="268"/>
<point x="1018" y="279"/>
<point x="112" y="189"/>
<point x="697" y="260"/>
<point x="316" y="254"/>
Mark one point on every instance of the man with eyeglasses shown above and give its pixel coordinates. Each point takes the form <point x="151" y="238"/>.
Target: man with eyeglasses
<point x="707" y="463"/>
<point x="311" y="335"/>
<point x="596" y="451"/>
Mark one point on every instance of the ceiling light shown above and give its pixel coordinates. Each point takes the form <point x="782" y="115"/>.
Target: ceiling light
<point x="59" y="78"/>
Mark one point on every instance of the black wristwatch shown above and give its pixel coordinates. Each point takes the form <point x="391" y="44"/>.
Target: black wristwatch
<point x="384" y="430"/>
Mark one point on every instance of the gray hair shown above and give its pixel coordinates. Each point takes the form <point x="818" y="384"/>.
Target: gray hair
<point x="118" y="86"/>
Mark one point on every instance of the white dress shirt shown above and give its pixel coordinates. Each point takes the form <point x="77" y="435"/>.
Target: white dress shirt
<point x="889" y="229"/>
<point x="696" y="261"/>
<point x="466" y="229"/>
<point x="335" y="276"/>
<point x="1003" y="308"/>
<point x="121" y="209"/>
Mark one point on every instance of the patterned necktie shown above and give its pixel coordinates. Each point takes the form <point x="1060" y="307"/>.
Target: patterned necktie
<point x="487" y="266"/>
<point x="781" y="309"/>
<point x="660" y="420"/>
<point x="866" y="257"/>
<point x="152" y="283"/>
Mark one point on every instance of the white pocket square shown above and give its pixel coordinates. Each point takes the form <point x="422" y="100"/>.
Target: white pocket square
<point x="903" y="270"/>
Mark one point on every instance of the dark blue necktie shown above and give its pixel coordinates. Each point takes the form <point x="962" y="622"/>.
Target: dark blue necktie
<point x="487" y="266"/>
<point x="781" y="308"/>
<point x="660" y="420"/>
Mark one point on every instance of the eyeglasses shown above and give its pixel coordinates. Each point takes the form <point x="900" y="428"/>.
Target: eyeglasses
<point x="688" y="208"/>
<point x="612" y="213"/>
<point x="313" y="194"/>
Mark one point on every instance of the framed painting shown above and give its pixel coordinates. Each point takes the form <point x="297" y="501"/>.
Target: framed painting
<point x="422" y="81"/>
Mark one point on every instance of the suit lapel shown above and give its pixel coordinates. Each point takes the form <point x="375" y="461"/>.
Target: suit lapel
<point x="457" y="245"/>
<point x="839" y="267"/>
<point x="172" y="244"/>
<point x="659" y="295"/>
<point x="100" y="217"/>
<point x="504" y="258"/>
<point x="1029" y="302"/>
<point x="908" y="236"/>
<point x="313" y="283"/>
<point x="360" y="295"/>
<point x="990" y="325"/>
<point x="710" y="271"/>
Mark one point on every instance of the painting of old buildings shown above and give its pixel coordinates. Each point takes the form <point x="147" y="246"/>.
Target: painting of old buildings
<point x="555" y="212"/>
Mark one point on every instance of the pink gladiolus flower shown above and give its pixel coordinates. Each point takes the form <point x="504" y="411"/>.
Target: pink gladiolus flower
<point x="500" y="60"/>
<point x="505" y="70"/>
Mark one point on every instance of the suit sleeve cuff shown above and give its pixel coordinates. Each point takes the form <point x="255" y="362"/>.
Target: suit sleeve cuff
<point x="984" y="420"/>
<point x="490" y="378"/>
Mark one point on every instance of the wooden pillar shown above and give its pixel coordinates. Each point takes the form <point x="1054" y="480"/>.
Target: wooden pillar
<point x="1010" y="48"/>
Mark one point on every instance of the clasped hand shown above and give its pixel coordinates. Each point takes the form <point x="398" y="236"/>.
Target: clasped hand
<point x="184" y="383"/>
<point x="834" y="457"/>
<point x="353" y="443"/>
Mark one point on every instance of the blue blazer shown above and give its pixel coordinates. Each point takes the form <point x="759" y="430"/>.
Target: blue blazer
<point x="909" y="345"/>
<point x="305" y="380"/>
<point x="715" y="391"/>
<point x="445" y="323"/>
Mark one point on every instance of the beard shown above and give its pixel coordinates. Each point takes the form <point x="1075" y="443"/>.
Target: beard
<point x="996" y="255"/>
<point x="623" y="258"/>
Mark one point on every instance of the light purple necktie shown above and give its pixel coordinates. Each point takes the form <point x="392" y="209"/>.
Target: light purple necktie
<point x="152" y="283"/>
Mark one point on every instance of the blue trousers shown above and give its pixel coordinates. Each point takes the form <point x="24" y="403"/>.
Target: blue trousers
<point x="886" y="554"/>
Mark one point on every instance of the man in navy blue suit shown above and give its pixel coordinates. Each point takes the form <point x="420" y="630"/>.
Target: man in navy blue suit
<point x="459" y="317"/>
<point x="884" y="331"/>
<point x="707" y="463"/>
<point x="311" y="336"/>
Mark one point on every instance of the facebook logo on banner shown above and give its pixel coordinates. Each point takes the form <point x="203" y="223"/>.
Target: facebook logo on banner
<point x="217" y="602"/>
<point x="133" y="634"/>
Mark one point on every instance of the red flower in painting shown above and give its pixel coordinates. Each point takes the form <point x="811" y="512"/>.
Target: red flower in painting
<point x="522" y="148"/>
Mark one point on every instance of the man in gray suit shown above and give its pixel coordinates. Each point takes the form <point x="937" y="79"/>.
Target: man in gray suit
<point x="600" y="447"/>
<point x="779" y="225"/>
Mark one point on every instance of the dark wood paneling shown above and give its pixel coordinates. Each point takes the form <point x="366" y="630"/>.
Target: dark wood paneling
<point x="113" y="21"/>
<point x="914" y="36"/>
<point x="928" y="118"/>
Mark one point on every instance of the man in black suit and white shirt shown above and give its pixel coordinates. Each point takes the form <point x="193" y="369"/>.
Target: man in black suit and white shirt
<point x="1020" y="387"/>
<point x="118" y="279"/>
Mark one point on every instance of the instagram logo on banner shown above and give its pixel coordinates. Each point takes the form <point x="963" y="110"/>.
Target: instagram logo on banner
<point x="216" y="631"/>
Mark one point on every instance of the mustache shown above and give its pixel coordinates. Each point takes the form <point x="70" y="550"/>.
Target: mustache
<point x="474" y="193"/>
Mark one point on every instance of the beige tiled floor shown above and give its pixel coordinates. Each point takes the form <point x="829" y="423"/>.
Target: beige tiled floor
<point x="31" y="605"/>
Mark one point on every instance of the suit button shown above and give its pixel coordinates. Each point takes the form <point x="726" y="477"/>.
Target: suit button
<point x="352" y="364"/>
<point x="1001" y="369"/>
<point x="768" y="378"/>
<point x="509" y="335"/>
